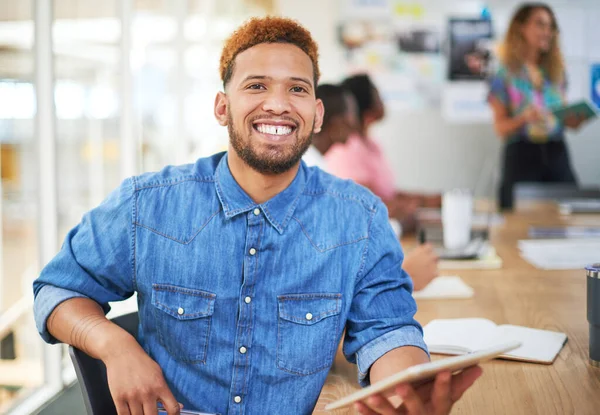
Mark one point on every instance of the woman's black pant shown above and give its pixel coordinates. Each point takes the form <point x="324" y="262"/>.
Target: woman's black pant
<point x="530" y="162"/>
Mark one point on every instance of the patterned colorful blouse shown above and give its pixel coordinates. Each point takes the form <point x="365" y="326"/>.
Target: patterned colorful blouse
<point x="517" y="92"/>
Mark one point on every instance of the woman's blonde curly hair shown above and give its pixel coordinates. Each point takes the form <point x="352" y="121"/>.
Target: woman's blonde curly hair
<point x="512" y="51"/>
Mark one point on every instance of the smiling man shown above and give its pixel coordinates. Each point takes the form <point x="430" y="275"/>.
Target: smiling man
<point x="248" y="264"/>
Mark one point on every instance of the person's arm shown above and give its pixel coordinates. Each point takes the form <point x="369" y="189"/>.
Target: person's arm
<point x="499" y="99"/>
<point x="81" y="323"/>
<point x="383" y="337"/>
<point x="402" y="357"/>
<point x="421" y="264"/>
<point x="136" y="381"/>
<point x="381" y="316"/>
<point x="94" y="267"/>
<point x="504" y="124"/>
<point x="436" y="397"/>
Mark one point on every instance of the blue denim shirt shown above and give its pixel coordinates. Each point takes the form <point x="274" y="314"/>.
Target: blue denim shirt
<point x="242" y="305"/>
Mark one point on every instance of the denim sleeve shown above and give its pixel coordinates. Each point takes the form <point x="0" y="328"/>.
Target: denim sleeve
<point x="382" y="312"/>
<point x="95" y="261"/>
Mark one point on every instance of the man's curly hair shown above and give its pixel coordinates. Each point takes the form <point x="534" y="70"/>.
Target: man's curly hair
<point x="267" y="30"/>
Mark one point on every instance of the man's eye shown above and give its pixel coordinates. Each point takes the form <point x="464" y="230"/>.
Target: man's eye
<point x="256" y="86"/>
<point x="298" y="89"/>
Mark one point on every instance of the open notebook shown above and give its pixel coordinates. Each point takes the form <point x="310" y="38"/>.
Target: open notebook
<point x="466" y="335"/>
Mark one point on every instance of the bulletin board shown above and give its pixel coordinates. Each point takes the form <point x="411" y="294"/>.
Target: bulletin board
<point x="399" y="44"/>
<point x="405" y="46"/>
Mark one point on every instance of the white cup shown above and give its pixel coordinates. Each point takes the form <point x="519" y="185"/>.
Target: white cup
<point x="457" y="215"/>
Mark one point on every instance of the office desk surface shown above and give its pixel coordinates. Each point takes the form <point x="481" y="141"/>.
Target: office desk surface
<point x="522" y="295"/>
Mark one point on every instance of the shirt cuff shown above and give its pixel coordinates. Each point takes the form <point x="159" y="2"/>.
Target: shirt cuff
<point x="46" y="300"/>
<point x="371" y="352"/>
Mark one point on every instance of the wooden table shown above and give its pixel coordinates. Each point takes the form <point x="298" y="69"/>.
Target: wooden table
<point x="522" y="295"/>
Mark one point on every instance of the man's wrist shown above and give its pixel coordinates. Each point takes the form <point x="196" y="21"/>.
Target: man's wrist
<point x="397" y="360"/>
<point x="109" y="341"/>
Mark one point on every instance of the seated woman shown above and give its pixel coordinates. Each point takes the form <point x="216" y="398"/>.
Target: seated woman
<point x="339" y="123"/>
<point x="362" y="160"/>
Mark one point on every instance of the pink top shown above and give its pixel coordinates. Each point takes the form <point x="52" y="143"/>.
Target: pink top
<point x="364" y="162"/>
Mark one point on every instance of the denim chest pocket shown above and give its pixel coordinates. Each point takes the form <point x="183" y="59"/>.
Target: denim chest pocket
<point x="307" y="332"/>
<point x="183" y="317"/>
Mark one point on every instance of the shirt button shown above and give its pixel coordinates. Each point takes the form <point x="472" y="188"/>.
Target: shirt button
<point x="243" y="350"/>
<point x="247" y="300"/>
<point x="237" y="399"/>
<point x="309" y="316"/>
<point x="256" y="212"/>
<point x="252" y="251"/>
<point x="180" y="311"/>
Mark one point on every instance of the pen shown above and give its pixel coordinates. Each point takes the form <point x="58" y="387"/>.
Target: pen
<point x="422" y="238"/>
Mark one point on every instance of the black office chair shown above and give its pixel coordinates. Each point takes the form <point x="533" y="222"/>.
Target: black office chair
<point x="91" y="372"/>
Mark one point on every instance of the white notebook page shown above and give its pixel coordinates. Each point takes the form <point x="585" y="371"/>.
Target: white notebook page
<point x="468" y="334"/>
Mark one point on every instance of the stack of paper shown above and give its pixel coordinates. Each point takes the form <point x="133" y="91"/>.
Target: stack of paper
<point x="444" y="287"/>
<point x="560" y="253"/>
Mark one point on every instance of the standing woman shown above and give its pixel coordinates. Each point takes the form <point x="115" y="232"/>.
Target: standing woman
<point x="528" y="85"/>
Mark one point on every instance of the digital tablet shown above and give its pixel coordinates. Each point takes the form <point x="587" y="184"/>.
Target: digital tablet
<point x="424" y="372"/>
<point x="184" y="412"/>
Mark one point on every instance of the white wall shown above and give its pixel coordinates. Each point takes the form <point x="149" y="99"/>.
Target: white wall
<point x="427" y="152"/>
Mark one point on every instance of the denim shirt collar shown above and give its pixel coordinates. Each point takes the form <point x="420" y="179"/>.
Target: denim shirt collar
<point x="278" y="210"/>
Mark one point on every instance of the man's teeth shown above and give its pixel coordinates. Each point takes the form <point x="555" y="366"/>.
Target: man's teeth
<point x="274" y="129"/>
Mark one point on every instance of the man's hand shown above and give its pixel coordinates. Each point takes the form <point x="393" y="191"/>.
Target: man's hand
<point x="136" y="382"/>
<point x="421" y="264"/>
<point x="433" y="398"/>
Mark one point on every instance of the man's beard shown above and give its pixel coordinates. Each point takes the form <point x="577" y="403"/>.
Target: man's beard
<point x="276" y="162"/>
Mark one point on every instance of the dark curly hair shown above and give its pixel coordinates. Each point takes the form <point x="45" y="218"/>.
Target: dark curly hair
<point x="361" y="86"/>
<point x="267" y="30"/>
<point x="334" y="101"/>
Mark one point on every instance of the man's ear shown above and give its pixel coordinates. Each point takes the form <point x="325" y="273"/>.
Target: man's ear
<point x="319" y="117"/>
<point x="221" y="105"/>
